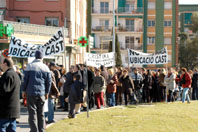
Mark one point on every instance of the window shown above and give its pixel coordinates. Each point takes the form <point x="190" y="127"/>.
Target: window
<point x="168" y="23"/>
<point x="130" y="42"/>
<point x="151" y="5"/>
<point x="23" y="19"/>
<point x="167" y="5"/>
<point x="167" y="40"/>
<point x="130" y="25"/>
<point x="104" y="23"/>
<point x="51" y="22"/>
<point x="151" y="23"/>
<point x="103" y="43"/>
<point x="151" y="40"/>
<point x="104" y="7"/>
<point x="130" y="6"/>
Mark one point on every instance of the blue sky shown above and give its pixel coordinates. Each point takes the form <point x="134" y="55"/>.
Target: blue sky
<point x="188" y="1"/>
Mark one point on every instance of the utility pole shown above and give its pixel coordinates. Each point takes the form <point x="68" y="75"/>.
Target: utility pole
<point x="113" y="46"/>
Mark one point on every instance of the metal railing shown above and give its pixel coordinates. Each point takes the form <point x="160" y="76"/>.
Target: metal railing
<point x="124" y="46"/>
<point x="101" y="28"/>
<point x="128" y="29"/>
<point x="104" y="46"/>
<point x="129" y="10"/>
<point x="101" y="10"/>
<point x="34" y="29"/>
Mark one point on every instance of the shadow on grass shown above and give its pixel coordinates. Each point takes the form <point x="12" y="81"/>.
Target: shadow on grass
<point x="131" y="106"/>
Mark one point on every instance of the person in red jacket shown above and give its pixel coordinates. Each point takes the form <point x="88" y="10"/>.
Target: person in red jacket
<point x="111" y="90"/>
<point x="186" y="81"/>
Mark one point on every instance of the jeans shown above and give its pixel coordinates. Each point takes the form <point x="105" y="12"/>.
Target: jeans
<point x="7" y="125"/>
<point x="62" y="100"/>
<point x="112" y="99"/>
<point x="36" y="113"/>
<point x="171" y="97"/>
<point x="50" y="109"/>
<point x="185" y="95"/>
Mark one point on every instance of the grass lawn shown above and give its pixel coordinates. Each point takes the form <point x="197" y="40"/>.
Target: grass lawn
<point x="161" y="117"/>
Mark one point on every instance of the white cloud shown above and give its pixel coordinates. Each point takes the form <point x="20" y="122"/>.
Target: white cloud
<point x="188" y="1"/>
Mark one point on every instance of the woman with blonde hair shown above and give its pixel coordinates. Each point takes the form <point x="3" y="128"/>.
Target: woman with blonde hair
<point x="162" y="85"/>
<point x="170" y="84"/>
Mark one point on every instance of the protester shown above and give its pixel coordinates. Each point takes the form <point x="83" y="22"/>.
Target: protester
<point x="9" y="96"/>
<point x="186" y="81"/>
<point x="60" y="86"/>
<point x="53" y="94"/>
<point x="67" y="86"/>
<point x="90" y="76"/>
<point x="155" y="87"/>
<point x="111" y="90"/>
<point x="98" y="87"/>
<point x="147" y="81"/>
<point x="36" y="87"/>
<point x="162" y="85"/>
<point x="137" y="79"/>
<point x="170" y="84"/>
<point x="77" y="71"/>
<point x="127" y="87"/>
<point x="119" y="99"/>
<point x="75" y="96"/>
<point x="195" y="85"/>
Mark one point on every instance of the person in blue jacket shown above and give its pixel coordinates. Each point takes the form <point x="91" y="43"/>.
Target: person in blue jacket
<point x="36" y="87"/>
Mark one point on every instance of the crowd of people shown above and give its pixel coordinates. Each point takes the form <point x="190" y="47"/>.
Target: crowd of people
<point x="85" y="87"/>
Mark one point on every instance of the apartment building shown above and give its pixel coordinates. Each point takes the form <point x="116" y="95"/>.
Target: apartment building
<point x="144" y="25"/>
<point x="161" y="28"/>
<point x="185" y="13"/>
<point x="128" y="22"/>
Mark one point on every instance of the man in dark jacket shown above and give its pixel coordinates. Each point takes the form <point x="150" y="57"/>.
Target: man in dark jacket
<point x="195" y="85"/>
<point x="9" y="96"/>
<point x="67" y="86"/>
<point x="53" y="94"/>
<point x="75" y="96"/>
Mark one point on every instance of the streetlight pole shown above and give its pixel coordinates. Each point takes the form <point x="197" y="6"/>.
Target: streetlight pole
<point x="113" y="46"/>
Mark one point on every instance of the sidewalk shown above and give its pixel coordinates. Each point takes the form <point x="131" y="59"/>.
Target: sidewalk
<point x="23" y="125"/>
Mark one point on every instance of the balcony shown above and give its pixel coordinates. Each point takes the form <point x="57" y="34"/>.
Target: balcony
<point x="129" y="29"/>
<point x="101" y="10"/>
<point x="33" y="29"/>
<point x="104" y="46"/>
<point x="129" y="10"/>
<point x="101" y="29"/>
<point x="134" y="46"/>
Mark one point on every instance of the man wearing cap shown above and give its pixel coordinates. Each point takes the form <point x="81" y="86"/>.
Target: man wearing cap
<point x="36" y="87"/>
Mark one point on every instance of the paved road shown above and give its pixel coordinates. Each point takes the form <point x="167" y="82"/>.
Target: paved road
<point x="23" y="125"/>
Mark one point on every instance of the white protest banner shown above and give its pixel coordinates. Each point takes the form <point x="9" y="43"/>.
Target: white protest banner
<point x="96" y="60"/>
<point x="19" y="48"/>
<point x="136" y="57"/>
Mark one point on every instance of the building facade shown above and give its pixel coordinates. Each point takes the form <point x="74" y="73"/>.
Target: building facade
<point x="161" y="27"/>
<point x="128" y="21"/>
<point x="185" y="13"/>
<point x="144" y="25"/>
<point x="70" y="14"/>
